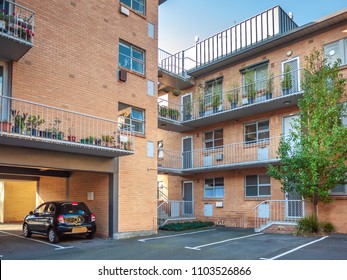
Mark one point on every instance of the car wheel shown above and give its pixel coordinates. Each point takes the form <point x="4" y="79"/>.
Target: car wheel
<point x="52" y="236"/>
<point x="26" y="231"/>
<point x="89" y="235"/>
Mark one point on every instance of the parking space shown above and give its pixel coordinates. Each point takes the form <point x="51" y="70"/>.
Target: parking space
<point x="208" y="244"/>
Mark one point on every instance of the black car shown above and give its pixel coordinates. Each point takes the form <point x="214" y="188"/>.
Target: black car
<point x="56" y="219"/>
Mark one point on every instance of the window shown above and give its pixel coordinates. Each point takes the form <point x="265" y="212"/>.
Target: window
<point x="137" y="5"/>
<point x="344" y="114"/>
<point x="257" y="76"/>
<point x="336" y="50"/>
<point x="131" y="58"/>
<point x="213" y="139"/>
<point x="132" y="116"/>
<point x="257" y="131"/>
<point x="214" y="188"/>
<point x="339" y="190"/>
<point x="213" y="92"/>
<point x="257" y="185"/>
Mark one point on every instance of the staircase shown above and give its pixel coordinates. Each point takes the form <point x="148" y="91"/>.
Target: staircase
<point x="175" y="210"/>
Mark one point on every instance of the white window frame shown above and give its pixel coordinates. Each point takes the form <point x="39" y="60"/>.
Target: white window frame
<point x="214" y="188"/>
<point x="213" y="139"/>
<point x="341" y="53"/>
<point x="258" y="185"/>
<point x="130" y="60"/>
<point x="257" y="132"/>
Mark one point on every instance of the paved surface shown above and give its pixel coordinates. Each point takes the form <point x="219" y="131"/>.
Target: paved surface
<point x="208" y="244"/>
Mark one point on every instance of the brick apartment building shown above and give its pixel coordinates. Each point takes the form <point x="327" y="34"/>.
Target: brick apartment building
<point x="78" y="113"/>
<point x="223" y="105"/>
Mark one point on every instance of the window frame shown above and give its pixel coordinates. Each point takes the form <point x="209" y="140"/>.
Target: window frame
<point x="126" y="117"/>
<point x="339" y="193"/>
<point x="258" y="185"/>
<point x="213" y="140"/>
<point x="131" y="58"/>
<point x="256" y="132"/>
<point x="131" y="6"/>
<point x="209" y="89"/>
<point x="214" y="188"/>
<point x="341" y="46"/>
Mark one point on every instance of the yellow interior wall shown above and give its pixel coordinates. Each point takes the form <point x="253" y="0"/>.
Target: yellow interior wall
<point x="19" y="199"/>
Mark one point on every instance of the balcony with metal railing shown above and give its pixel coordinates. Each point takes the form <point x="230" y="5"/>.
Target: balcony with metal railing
<point x="254" y="98"/>
<point x="16" y="30"/>
<point x="33" y="125"/>
<point x="230" y="156"/>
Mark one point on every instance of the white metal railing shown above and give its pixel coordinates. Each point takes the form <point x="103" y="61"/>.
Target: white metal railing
<point x="17" y="21"/>
<point x="175" y="210"/>
<point x="33" y="121"/>
<point x="270" y="212"/>
<point x="238" y="96"/>
<point x="227" y="155"/>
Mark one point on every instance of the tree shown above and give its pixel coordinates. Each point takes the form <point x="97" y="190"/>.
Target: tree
<point x="313" y="155"/>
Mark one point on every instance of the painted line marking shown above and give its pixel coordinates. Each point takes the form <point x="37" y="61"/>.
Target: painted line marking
<point x="174" y="235"/>
<point x="58" y="247"/>
<point x="295" y="249"/>
<point x="198" y="248"/>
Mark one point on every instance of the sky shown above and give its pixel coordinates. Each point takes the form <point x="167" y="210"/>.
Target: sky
<point x="180" y="21"/>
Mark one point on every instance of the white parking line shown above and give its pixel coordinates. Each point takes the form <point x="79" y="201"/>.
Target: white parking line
<point x="295" y="249"/>
<point x="174" y="235"/>
<point x="57" y="247"/>
<point x="223" y="241"/>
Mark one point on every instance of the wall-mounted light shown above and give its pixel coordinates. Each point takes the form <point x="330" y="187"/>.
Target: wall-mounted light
<point x="287" y="102"/>
<point x="289" y="53"/>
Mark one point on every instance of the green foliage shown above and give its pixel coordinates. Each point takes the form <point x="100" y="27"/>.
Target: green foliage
<point x="186" y="226"/>
<point x="310" y="226"/>
<point x="313" y="155"/>
<point x="249" y="84"/>
<point x="287" y="78"/>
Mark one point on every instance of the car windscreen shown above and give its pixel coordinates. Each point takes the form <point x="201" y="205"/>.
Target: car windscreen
<point x="74" y="208"/>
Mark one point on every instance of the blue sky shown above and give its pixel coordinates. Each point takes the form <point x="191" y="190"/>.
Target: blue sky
<point x="181" y="20"/>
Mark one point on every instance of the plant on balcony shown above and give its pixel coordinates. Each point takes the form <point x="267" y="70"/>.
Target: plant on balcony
<point x="173" y="114"/>
<point x="176" y="92"/>
<point x="201" y="98"/>
<point x="287" y="83"/>
<point x="269" y="86"/>
<point x="249" y="83"/>
<point x="127" y="145"/>
<point x="19" y="121"/>
<point x="33" y="124"/>
<point x="187" y="110"/>
<point x="54" y="132"/>
<point x="107" y="140"/>
<point x="3" y="19"/>
<point x="163" y="110"/>
<point x="71" y="137"/>
<point x="233" y="95"/>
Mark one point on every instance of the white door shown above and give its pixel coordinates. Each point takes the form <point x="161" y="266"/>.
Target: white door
<point x="293" y="66"/>
<point x="186" y="102"/>
<point x="4" y="92"/>
<point x="188" y="198"/>
<point x="187" y="148"/>
<point x="294" y="206"/>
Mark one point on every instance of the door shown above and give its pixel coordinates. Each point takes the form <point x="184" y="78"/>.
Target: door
<point x="291" y="77"/>
<point x="188" y="198"/>
<point x="186" y="102"/>
<point x="294" y="208"/>
<point x="4" y="92"/>
<point x="187" y="159"/>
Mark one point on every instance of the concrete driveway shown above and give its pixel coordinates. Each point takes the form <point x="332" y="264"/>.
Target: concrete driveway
<point x="205" y="244"/>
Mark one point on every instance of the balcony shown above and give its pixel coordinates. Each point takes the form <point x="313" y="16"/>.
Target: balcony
<point x="231" y="156"/>
<point x="255" y="98"/>
<point x="16" y="30"/>
<point x="33" y="125"/>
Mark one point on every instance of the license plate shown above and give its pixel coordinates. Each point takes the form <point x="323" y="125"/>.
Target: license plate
<point x="79" y="230"/>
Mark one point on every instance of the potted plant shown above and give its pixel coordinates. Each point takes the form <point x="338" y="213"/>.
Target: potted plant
<point x="56" y="133"/>
<point x="176" y="92"/>
<point x="107" y="140"/>
<point x="287" y="80"/>
<point x="71" y="137"/>
<point x="19" y="121"/>
<point x="233" y="95"/>
<point x="163" y="111"/>
<point x="201" y="98"/>
<point x="5" y="126"/>
<point x="250" y="86"/>
<point x="33" y="124"/>
<point x="173" y="114"/>
<point x="269" y="86"/>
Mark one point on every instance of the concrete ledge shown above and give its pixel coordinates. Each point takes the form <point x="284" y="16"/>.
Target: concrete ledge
<point x="132" y="234"/>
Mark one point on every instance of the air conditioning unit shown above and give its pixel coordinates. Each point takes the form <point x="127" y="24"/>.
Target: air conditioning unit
<point x="124" y="11"/>
<point x="219" y="157"/>
<point x="219" y="204"/>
